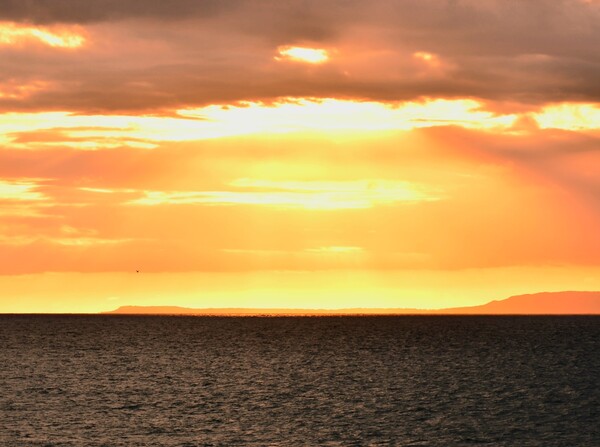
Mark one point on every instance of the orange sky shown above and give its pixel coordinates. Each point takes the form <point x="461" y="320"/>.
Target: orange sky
<point x="297" y="154"/>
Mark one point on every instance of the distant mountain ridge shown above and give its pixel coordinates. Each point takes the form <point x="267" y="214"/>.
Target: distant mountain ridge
<point x="545" y="303"/>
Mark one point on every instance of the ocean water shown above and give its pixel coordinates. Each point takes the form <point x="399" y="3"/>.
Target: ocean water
<point x="347" y="381"/>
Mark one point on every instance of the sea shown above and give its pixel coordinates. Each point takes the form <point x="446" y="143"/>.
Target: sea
<point x="100" y="380"/>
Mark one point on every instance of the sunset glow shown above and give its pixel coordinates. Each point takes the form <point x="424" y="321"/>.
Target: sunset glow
<point x="254" y="155"/>
<point x="300" y="54"/>
<point x="307" y="195"/>
<point x="570" y="117"/>
<point x="290" y="115"/>
<point x="14" y="34"/>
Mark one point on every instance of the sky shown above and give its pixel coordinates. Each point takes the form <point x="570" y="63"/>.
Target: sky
<point x="306" y="154"/>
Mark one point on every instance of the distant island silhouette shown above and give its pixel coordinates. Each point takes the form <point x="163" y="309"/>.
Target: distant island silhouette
<point x="545" y="303"/>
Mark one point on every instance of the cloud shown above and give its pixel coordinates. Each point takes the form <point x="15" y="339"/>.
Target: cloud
<point x="14" y="34"/>
<point x="287" y="115"/>
<point x="155" y="56"/>
<point x="74" y="11"/>
<point x="309" y="195"/>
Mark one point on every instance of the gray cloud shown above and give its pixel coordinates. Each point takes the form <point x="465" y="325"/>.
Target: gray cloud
<point x="153" y="55"/>
<point x="89" y="11"/>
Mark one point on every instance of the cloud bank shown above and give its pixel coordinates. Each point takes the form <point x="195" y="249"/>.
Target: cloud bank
<point x="153" y="56"/>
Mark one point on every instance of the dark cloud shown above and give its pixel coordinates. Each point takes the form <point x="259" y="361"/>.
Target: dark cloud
<point x="89" y="11"/>
<point x="193" y="53"/>
<point x="306" y="20"/>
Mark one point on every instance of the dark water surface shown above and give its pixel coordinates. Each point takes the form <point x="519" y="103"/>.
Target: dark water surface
<point x="406" y="381"/>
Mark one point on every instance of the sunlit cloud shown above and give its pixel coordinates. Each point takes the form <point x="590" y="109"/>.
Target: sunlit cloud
<point x="21" y="198"/>
<point x="569" y="116"/>
<point x="59" y="37"/>
<point x="311" y="201"/>
<point x="325" y="250"/>
<point x="99" y="131"/>
<point x="107" y="190"/>
<point x="19" y="190"/>
<point x="328" y="114"/>
<point x="302" y="54"/>
<point x="336" y="250"/>
<point x="88" y="241"/>
<point x="20" y="240"/>
<point x="380" y="188"/>
<point x="312" y="195"/>
<point x="289" y="115"/>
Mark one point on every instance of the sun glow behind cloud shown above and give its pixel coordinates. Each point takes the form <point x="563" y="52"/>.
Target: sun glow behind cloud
<point x="302" y="54"/>
<point x="569" y="116"/>
<point x="288" y="115"/>
<point x="429" y="59"/>
<point x="59" y="37"/>
<point x="331" y="115"/>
